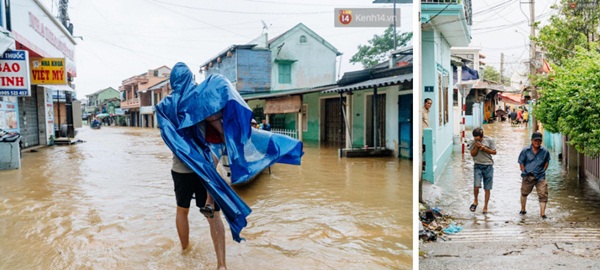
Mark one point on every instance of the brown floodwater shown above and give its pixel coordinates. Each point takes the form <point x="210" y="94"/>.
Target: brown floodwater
<point x="108" y="203"/>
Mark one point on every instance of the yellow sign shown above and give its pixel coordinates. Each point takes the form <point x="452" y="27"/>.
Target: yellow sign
<point x="48" y="71"/>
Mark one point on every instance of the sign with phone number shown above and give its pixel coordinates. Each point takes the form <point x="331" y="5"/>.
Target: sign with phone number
<point x="14" y="73"/>
<point x="14" y="93"/>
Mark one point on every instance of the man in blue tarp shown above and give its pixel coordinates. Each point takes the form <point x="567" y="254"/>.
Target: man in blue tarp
<point x="182" y="119"/>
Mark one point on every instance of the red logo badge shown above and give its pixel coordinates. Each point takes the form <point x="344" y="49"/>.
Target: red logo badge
<point x="345" y="17"/>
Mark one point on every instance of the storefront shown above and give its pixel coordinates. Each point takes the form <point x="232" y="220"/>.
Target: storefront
<point x="51" y="50"/>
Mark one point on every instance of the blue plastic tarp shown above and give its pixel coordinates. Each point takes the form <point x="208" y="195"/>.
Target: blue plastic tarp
<point x="467" y="74"/>
<point x="249" y="150"/>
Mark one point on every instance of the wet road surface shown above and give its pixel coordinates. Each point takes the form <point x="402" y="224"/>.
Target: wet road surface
<point x="108" y="203"/>
<point x="570" y="199"/>
<point x="572" y="229"/>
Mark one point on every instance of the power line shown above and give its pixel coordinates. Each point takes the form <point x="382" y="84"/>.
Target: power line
<point x="106" y="22"/>
<point x="195" y="19"/>
<point x="439" y="12"/>
<point x="243" y="12"/>
<point x="294" y="3"/>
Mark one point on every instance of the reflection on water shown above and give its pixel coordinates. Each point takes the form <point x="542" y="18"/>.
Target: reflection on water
<point x="570" y="199"/>
<point x="108" y="203"/>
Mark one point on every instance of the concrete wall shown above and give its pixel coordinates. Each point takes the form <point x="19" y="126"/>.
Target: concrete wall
<point x="314" y="66"/>
<point x="108" y="93"/>
<point x="227" y="68"/>
<point x="248" y="70"/>
<point x="253" y="71"/>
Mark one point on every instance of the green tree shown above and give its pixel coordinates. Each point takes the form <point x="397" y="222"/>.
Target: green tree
<point x="575" y="24"/>
<point x="379" y="46"/>
<point x="570" y="101"/>
<point x="491" y="74"/>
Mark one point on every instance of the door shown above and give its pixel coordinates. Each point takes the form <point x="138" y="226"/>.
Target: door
<point x="334" y="128"/>
<point x="405" y="114"/>
<point x="380" y="118"/>
<point x="28" y="119"/>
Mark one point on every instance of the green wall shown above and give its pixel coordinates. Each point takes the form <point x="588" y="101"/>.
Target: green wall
<point x="358" y="118"/>
<point x="108" y="93"/>
<point x="312" y="134"/>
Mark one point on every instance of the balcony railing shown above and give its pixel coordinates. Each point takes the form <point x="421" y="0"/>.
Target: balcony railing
<point x="130" y="103"/>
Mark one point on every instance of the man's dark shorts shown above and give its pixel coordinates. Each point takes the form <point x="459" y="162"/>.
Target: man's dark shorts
<point x="186" y="186"/>
<point x="485" y="173"/>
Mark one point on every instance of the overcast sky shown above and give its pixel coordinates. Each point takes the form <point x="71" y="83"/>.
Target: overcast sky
<point x="501" y="26"/>
<point x="126" y="38"/>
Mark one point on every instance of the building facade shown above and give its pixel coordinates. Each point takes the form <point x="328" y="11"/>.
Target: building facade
<point x="445" y="24"/>
<point x="47" y="106"/>
<point x="137" y="98"/>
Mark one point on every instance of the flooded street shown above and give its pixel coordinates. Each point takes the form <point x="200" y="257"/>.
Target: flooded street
<point x="108" y="203"/>
<point x="503" y="239"/>
<point x="570" y="199"/>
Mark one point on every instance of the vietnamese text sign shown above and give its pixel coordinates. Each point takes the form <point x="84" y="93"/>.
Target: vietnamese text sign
<point x="48" y="71"/>
<point x="365" y="17"/>
<point x="14" y="74"/>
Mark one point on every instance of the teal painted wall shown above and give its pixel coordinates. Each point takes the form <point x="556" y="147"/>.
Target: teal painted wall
<point x="358" y="118"/>
<point x="436" y="60"/>
<point x="312" y="132"/>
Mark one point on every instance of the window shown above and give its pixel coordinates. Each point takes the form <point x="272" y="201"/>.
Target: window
<point x="285" y="73"/>
<point x="302" y="39"/>
<point x="277" y="121"/>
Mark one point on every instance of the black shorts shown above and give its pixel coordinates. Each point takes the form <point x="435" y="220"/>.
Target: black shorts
<point x="186" y="186"/>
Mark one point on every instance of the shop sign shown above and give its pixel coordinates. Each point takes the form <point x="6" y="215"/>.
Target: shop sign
<point x="14" y="74"/>
<point x="283" y="105"/>
<point x="40" y="32"/>
<point x="48" y="71"/>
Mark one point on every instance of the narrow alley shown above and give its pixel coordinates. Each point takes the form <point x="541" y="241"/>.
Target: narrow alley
<point x="487" y="241"/>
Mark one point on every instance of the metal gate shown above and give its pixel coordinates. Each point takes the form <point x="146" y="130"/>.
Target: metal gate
<point x="28" y="120"/>
<point x="334" y="128"/>
<point x="380" y="121"/>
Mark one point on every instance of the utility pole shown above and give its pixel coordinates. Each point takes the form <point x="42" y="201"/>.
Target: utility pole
<point x="532" y="69"/>
<point x="395" y="43"/>
<point x="502" y="68"/>
<point x="63" y="17"/>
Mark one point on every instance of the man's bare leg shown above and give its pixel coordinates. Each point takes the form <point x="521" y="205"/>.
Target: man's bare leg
<point x="217" y="232"/>
<point x="487" y="199"/>
<point x="183" y="227"/>
<point x="523" y="203"/>
<point x="542" y="209"/>
<point x="476" y="195"/>
<point x="209" y="200"/>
